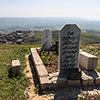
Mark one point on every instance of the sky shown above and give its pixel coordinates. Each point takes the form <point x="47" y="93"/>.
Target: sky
<point x="89" y="9"/>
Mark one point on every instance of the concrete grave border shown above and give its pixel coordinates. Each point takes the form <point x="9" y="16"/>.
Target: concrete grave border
<point x="51" y="81"/>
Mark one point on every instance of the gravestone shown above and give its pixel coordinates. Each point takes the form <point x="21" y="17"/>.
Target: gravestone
<point x="69" y="39"/>
<point x="15" y="66"/>
<point x="46" y="39"/>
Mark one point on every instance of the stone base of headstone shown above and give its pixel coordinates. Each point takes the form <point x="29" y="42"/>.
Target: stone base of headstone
<point x="68" y="71"/>
<point x="74" y="83"/>
<point x="74" y="76"/>
<point x="59" y="81"/>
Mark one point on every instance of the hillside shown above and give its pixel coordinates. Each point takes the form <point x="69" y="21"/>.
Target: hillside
<point x="39" y="23"/>
<point x="89" y="38"/>
<point x="86" y="38"/>
<point x="35" y="37"/>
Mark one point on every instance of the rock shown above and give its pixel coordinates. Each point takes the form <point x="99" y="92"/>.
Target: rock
<point x="87" y="79"/>
<point x="74" y="76"/>
<point x="15" y="66"/>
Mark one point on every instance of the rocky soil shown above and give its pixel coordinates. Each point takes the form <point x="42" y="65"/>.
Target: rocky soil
<point x="16" y="37"/>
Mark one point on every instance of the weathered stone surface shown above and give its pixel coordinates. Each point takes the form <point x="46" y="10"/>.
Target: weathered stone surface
<point x="74" y="83"/>
<point x="46" y="39"/>
<point x="88" y="61"/>
<point x="69" y="38"/>
<point x="35" y="57"/>
<point x="55" y="74"/>
<point x="96" y="76"/>
<point x="59" y="81"/>
<point x="81" y="50"/>
<point x="74" y="76"/>
<point x="15" y="66"/>
<point x="87" y="79"/>
<point x="54" y="82"/>
<point x="33" y="50"/>
<point x="41" y="70"/>
<point x="37" y="60"/>
<point x="45" y="82"/>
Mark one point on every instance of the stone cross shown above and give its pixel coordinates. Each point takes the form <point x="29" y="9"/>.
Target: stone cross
<point x="46" y="39"/>
<point x="69" y="39"/>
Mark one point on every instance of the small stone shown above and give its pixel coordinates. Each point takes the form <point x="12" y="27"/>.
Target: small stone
<point x="15" y="66"/>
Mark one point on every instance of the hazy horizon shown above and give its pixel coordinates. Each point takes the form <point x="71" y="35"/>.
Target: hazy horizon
<point x="9" y="24"/>
<point x="77" y="18"/>
<point x="85" y="9"/>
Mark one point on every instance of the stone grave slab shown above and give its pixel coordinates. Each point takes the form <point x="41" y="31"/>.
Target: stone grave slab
<point x="46" y="39"/>
<point x="45" y="83"/>
<point x="35" y="57"/>
<point x="88" y="61"/>
<point x="69" y="39"/>
<point x="41" y="70"/>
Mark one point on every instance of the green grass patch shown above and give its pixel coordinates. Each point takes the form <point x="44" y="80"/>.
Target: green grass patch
<point x="13" y="88"/>
<point x="86" y="38"/>
<point x="37" y="38"/>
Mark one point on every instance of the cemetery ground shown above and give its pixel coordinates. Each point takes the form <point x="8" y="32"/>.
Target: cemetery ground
<point x="13" y="88"/>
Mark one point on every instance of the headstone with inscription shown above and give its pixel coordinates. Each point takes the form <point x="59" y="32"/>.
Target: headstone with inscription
<point x="69" y="39"/>
<point x="46" y="39"/>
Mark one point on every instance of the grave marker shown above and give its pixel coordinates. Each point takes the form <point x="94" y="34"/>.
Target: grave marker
<point x="69" y="39"/>
<point x="46" y="39"/>
<point x="15" y="66"/>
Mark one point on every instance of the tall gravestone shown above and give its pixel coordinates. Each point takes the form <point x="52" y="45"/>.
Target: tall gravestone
<point x="69" y="39"/>
<point x="46" y="39"/>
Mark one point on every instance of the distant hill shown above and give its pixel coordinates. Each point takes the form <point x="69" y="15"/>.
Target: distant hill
<point x="89" y="38"/>
<point x="86" y="38"/>
<point x="8" y="25"/>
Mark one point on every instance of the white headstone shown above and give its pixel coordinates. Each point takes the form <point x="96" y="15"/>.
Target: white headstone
<point x="69" y="39"/>
<point x="46" y="39"/>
